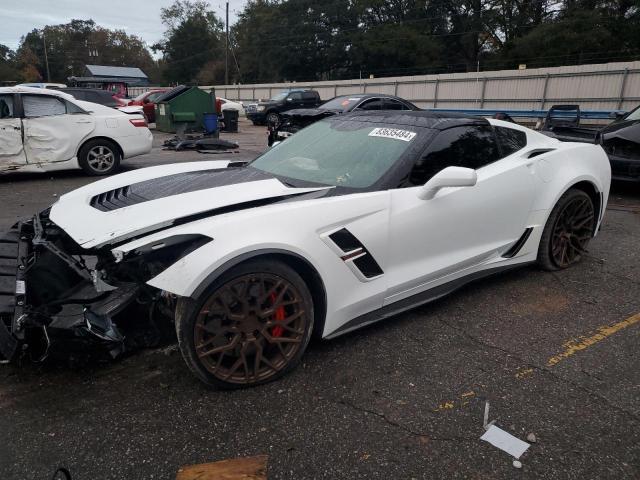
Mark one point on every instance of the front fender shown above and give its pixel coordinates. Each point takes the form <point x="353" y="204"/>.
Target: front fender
<point x="190" y="276"/>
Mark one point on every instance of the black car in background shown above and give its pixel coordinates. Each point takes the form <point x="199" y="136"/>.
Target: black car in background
<point x="297" y="119"/>
<point x="269" y="111"/>
<point x="94" y="95"/>
<point x="621" y="141"/>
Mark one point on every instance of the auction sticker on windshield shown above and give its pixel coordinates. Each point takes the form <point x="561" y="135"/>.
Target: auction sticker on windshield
<point x="394" y="133"/>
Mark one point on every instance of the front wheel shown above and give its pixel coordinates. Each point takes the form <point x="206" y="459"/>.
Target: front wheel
<point x="99" y="157"/>
<point x="250" y="327"/>
<point x="273" y="119"/>
<point x="567" y="231"/>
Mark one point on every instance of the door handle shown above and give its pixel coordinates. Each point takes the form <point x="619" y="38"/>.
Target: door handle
<point x="17" y="128"/>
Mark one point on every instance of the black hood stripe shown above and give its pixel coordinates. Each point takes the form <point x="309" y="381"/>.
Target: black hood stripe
<point x="171" y="185"/>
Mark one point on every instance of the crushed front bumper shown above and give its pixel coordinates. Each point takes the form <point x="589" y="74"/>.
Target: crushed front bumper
<point x="49" y="302"/>
<point x="13" y="252"/>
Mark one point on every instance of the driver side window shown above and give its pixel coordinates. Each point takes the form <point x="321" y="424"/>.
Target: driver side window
<point x="469" y="146"/>
<point x="373" y="104"/>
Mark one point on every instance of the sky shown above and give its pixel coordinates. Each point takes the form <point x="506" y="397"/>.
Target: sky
<point x="139" y="17"/>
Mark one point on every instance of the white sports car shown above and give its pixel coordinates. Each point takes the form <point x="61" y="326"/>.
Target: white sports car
<point x="350" y="221"/>
<point x="44" y="130"/>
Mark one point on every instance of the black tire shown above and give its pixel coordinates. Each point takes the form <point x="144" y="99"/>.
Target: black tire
<point x="97" y="164"/>
<point x="273" y="118"/>
<point x="250" y="342"/>
<point x="567" y="232"/>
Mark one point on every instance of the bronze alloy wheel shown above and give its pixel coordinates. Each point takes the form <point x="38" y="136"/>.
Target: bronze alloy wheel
<point x="251" y="328"/>
<point x="572" y="231"/>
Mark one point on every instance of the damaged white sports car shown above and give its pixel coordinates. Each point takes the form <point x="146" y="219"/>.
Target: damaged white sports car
<point x="353" y="219"/>
<point x="45" y="130"/>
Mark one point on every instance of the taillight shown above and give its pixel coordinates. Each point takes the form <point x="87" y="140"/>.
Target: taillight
<point x="138" y="122"/>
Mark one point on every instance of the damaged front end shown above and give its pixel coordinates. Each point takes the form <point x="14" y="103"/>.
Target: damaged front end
<point x="60" y="300"/>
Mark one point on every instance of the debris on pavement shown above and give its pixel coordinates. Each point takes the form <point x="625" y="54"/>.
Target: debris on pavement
<point x="505" y="441"/>
<point x="502" y="439"/>
<point x="198" y="142"/>
<point x="531" y="438"/>
<point x="249" y="468"/>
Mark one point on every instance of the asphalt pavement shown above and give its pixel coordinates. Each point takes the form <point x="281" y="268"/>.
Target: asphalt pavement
<point x="555" y="355"/>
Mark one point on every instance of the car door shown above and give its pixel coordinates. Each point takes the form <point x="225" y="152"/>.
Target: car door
<point x="53" y="128"/>
<point x="294" y="100"/>
<point x="11" y="147"/>
<point x="433" y="241"/>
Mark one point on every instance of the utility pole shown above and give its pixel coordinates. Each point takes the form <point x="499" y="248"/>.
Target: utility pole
<point x="226" y="51"/>
<point x="46" y="58"/>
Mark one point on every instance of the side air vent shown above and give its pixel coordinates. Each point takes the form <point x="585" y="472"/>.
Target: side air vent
<point x="539" y="151"/>
<point x="116" y="198"/>
<point x="356" y="253"/>
<point x="513" y="251"/>
<point x="345" y="240"/>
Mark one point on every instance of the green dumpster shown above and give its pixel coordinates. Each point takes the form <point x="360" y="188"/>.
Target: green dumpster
<point x="183" y="107"/>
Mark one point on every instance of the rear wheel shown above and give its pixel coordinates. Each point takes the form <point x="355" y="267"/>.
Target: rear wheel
<point x="250" y="327"/>
<point x="567" y="231"/>
<point x="99" y="157"/>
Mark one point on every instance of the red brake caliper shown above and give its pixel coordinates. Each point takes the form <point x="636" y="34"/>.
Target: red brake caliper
<point x="278" y="316"/>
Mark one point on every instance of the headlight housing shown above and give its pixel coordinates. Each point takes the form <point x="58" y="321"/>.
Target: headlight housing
<point x="260" y="108"/>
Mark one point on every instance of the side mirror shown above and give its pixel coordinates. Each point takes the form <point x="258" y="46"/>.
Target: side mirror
<point x="449" y="177"/>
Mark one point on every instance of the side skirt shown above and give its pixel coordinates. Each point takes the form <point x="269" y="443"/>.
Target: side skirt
<point x="417" y="300"/>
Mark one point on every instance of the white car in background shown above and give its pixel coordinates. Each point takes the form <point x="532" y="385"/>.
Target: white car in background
<point x="231" y="105"/>
<point x="44" y="130"/>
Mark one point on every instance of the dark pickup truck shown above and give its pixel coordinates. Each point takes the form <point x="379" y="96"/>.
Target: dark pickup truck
<point x="620" y="139"/>
<point x="269" y="111"/>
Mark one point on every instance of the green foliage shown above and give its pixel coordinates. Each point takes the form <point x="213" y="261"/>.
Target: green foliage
<point x="193" y="42"/>
<point x="305" y="40"/>
<point x="78" y="43"/>
<point x="8" y="64"/>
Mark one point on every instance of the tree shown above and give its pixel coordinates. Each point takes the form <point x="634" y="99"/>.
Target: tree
<point x="8" y="65"/>
<point x="302" y="40"/>
<point x="192" y="41"/>
<point x="78" y="43"/>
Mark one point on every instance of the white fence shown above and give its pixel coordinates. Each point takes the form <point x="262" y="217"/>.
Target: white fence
<point x="609" y="86"/>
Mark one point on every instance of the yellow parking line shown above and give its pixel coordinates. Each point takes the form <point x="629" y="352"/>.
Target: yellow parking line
<point x="603" y="332"/>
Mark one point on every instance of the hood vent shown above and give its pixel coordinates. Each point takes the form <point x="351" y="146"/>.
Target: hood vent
<point x="116" y="198"/>
<point x="176" y="184"/>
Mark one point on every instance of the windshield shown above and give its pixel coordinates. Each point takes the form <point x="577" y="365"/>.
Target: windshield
<point x="343" y="104"/>
<point x="279" y="96"/>
<point x="346" y="153"/>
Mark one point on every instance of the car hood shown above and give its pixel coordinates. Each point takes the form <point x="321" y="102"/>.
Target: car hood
<point x="132" y="204"/>
<point x="619" y="125"/>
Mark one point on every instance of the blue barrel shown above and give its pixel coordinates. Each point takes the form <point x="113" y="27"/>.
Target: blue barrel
<point x="210" y="122"/>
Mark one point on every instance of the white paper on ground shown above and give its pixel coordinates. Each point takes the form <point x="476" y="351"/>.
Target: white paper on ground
<point x="505" y="441"/>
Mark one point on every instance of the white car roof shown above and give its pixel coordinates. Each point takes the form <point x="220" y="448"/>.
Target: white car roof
<point x="36" y="91"/>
